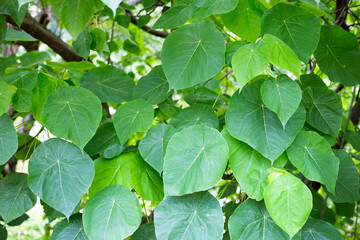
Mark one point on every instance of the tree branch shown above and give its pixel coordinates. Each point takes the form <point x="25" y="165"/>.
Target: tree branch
<point x="35" y="29"/>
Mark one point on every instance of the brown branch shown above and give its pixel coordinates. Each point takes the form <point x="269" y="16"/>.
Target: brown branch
<point x="35" y="29"/>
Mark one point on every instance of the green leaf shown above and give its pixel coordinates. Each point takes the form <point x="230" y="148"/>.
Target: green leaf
<point x="3" y="232"/>
<point x="347" y="182"/>
<point x="132" y="117"/>
<point x="83" y="65"/>
<point x="27" y="145"/>
<point x="145" y="232"/>
<point x="312" y="155"/>
<point x="203" y="95"/>
<point x="3" y="28"/>
<point x="71" y="229"/>
<point x="231" y="50"/>
<point x="318" y="202"/>
<point x="8" y="139"/>
<point x="72" y="113"/>
<point x="74" y="14"/>
<point x="113" y="213"/>
<point x="31" y="58"/>
<point x="145" y="180"/>
<point x="82" y="44"/>
<point x="21" y="100"/>
<point x="112" y="171"/>
<point x="153" y="146"/>
<point x="44" y="85"/>
<point x="248" y="120"/>
<point x="20" y="78"/>
<point x="249" y="61"/>
<point x="311" y="80"/>
<point x="251" y="220"/>
<point x="105" y="142"/>
<point x="175" y="16"/>
<point x="14" y="10"/>
<point x="298" y="28"/>
<point x="194" y="216"/>
<point x="198" y="114"/>
<point x="153" y="87"/>
<point x="249" y="167"/>
<point x="60" y="174"/>
<point x="245" y="19"/>
<point x="98" y="37"/>
<point x="195" y="160"/>
<point x="338" y="55"/>
<point x="5" y="97"/>
<point x="282" y="56"/>
<point x="17" y="221"/>
<point x="51" y="214"/>
<point x="281" y="95"/>
<point x="324" y="109"/>
<point x="211" y="7"/>
<point x="288" y="201"/>
<point x="109" y="83"/>
<point x="192" y="54"/>
<point x="112" y="4"/>
<point x="319" y="230"/>
<point x="15" y="196"/>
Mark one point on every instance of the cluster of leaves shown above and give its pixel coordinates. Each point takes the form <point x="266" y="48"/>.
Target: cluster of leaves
<point x="260" y="141"/>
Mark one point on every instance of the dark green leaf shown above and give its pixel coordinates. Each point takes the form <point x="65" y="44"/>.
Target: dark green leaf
<point x="15" y="196"/>
<point x="71" y="229"/>
<point x="109" y="83"/>
<point x="211" y="7"/>
<point x="82" y="44"/>
<point x="175" y="16"/>
<point x="319" y="230"/>
<point x="3" y="232"/>
<point x="203" y="95"/>
<point x="194" y="216"/>
<point x="27" y="145"/>
<point x="60" y="174"/>
<point x="14" y="9"/>
<point x="8" y="139"/>
<point x="20" y="78"/>
<point x="113" y="213"/>
<point x="195" y="160"/>
<point x="3" y="28"/>
<point x="18" y="221"/>
<point x="192" y="54"/>
<point x="295" y="26"/>
<point x="145" y="232"/>
<point x="98" y="42"/>
<point x="231" y="49"/>
<point x="72" y="113"/>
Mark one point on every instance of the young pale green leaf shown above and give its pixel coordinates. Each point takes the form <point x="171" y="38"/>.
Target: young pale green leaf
<point x="249" y="61"/>
<point x="8" y="139"/>
<point x="245" y="19"/>
<point x="74" y="14"/>
<point x="132" y="117"/>
<point x="109" y="84"/>
<point x="319" y="230"/>
<point x="195" y="160"/>
<point x="71" y="229"/>
<point x="15" y="197"/>
<point x="211" y="7"/>
<point x="194" y="216"/>
<point x="251" y="220"/>
<point x="298" y="28"/>
<point x="145" y="232"/>
<point x="282" y="55"/>
<point x="250" y="121"/>
<point x="5" y="97"/>
<point x="21" y="100"/>
<point x="153" y="146"/>
<point x="153" y="87"/>
<point x="146" y="181"/>
<point x="15" y="10"/>
<point x="193" y="54"/>
<point x="32" y="58"/>
<point x="45" y="84"/>
<point x="195" y="115"/>
<point x="60" y="174"/>
<point x="175" y="16"/>
<point x="281" y="95"/>
<point x="288" y="201"/>
<point x="105" y="142"/>
<point x="324" y="109"/>
<point x="313" y="157"/>
<point x="72" y="113"/>
<point x="112" y="171"/>
<point x="249" y="167"/>
<point x="82" y="44"/>
<point x="20" y="78"/>
<point x="113" y="213"/>
<point x="347" y="183"/>
<point x="338" y="55"/>
<point x="112" y="4"/>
